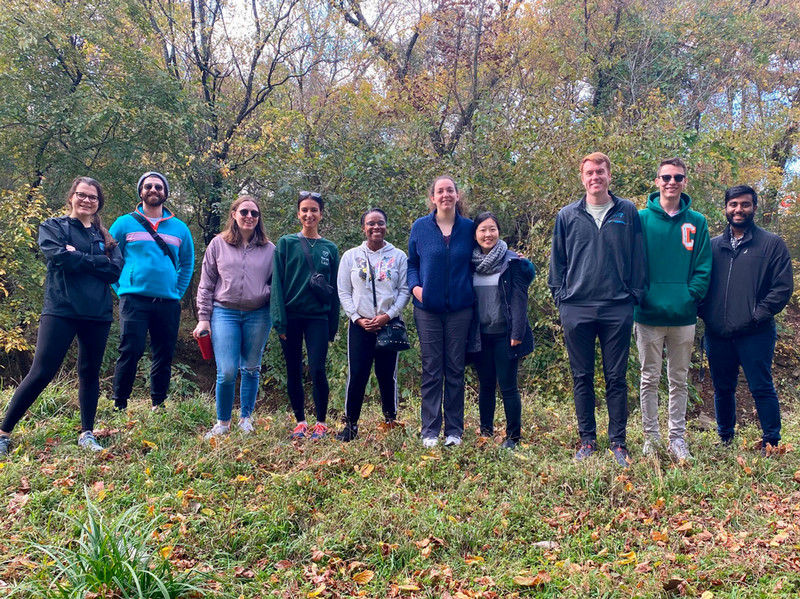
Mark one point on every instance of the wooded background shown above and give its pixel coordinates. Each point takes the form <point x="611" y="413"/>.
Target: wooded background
<point x="368" y="101"/>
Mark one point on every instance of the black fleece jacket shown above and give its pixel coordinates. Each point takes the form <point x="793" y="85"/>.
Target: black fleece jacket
<point x="77" y="284"/>
<point x="749" y="286"/>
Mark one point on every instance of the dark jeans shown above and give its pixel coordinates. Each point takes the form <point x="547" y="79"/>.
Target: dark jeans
<point x="138" y="315"/>
<point x="612" y="325"/>
<point x="754" y="353"/>
<point x="55" y="337"/>
<point x="361" y="354"/>
<point x="443" y="342"/>
<point x="315" y="331"/>
<point x="494" y="366"/>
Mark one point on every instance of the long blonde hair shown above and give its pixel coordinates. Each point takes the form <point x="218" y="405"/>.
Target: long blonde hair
<point x="231" y="233"/>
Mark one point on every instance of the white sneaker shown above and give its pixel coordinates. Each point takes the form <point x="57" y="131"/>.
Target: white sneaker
<point x="651" y="446"/>
<point x="246" y="425"/>
<point x="87" y="441"/>
<point x="679" y="449"/>
<point x="429" y="442"/>
<point x="452" y="441"/>
<point x="217" y="430"/>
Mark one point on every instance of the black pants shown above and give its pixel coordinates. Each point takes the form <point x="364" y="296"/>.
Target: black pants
<point x="55" y="337"/>
<point x="612" y="325"/>
<point x="361" y="354"/>
<point x="494" y="366"/>
<point x="443" y="343"/>
<point x="315" y="331"/>
<point x="138" y="315"/>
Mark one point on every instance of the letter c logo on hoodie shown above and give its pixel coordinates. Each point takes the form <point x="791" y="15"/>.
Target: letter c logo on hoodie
<point x="687" y="235"/>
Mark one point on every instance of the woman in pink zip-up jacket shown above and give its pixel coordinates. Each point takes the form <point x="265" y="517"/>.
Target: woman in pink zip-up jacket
<point x="233" y="305"/>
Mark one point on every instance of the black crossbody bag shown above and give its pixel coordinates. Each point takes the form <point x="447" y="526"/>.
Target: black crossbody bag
<point x="319" y="286"/>
<point x="393" y="335"/>
<point x="156" y="237"/>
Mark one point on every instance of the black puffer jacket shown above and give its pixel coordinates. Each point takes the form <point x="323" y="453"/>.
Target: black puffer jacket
<point x="77" y="284"/>
<point x="749" y="286"/>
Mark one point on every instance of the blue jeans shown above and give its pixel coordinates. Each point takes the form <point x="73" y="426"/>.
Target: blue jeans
<point x="754" y="353"/>
<point x="238" y="338"/>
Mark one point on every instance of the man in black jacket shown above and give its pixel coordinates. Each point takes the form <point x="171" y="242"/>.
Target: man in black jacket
<point x="751" y="282"/>
<point x="597" y="274"/>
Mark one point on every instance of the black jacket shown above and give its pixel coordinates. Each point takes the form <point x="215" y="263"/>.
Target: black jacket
<point x="77" y="284"/>
<point x="591" y="266"/>
<point x="514" y="281"/>
<point x="748" y="286"/>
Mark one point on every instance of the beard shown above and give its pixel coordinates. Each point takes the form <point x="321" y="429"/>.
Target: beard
<point x="744" y="224"/>
<point x="154" y="198"/>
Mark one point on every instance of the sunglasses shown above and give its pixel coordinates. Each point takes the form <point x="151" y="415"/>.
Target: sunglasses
<point x="304" y="195"/>
<point x="246" y="212"/>
<point x="156" y="186"/>
<point x="85" y="196"/>
<point x="668" y="178"/>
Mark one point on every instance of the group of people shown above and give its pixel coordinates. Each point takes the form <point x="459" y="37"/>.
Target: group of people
<point x="613" y="270"/>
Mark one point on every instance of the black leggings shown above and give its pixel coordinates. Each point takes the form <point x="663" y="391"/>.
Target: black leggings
<point x="361" y="354"/>
<point x="55" y="337"/>
<point x="315" y="332"/>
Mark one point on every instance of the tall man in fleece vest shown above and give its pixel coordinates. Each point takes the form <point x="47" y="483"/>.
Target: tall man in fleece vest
<point x="679" y="268"/>
<point x="156" y="274"/>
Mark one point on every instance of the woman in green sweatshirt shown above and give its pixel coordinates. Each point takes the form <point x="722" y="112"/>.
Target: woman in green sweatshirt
<point x="305" y="308"/>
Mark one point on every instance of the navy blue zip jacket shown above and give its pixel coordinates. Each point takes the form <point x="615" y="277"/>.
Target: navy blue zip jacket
<point x="516" y="277"/>
<point x="749" y="286"/>
<point x="591" y="266"/>
<point x="77" y="284"/>
<point x="443" y="271"/>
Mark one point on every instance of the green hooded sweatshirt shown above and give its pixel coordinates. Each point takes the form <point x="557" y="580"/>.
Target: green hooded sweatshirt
<point x="678" y="263"/>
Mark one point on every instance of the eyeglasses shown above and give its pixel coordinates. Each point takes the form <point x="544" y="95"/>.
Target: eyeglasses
<point x="375" y="223"/>
<point x="668" y="178"/>
<point x="304" y="195"/>
<point x="156" y="186"/>
<point x="246" y="212"/>
<point x="85" y="196"/>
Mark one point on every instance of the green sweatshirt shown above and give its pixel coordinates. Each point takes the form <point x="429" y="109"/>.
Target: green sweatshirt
<point x="678" y="252"/>
<point x="291" y="293"/>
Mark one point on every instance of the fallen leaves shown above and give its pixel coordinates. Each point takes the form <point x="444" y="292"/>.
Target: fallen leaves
<point x="540" y="579"/>
<point x="365" y="470"/>
<point x="363" y="577"/>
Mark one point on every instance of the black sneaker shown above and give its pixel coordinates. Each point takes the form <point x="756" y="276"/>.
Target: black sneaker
<point x="620" y="455"/>
<point x="587" y="448"/>
<point x="509" y="444"/>
<point x="349" y="432"/>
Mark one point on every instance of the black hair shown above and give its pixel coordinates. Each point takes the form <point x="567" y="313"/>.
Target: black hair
<point x="483" y="216"/>
<point x="378" y="210"/>
<point x="310" y="195"/>
<point x="740" y="190"/>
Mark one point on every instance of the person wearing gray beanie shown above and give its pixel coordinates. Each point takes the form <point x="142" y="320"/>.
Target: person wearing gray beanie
<point x="152" y="174"/>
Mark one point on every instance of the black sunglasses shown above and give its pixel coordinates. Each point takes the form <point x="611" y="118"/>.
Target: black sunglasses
<point x="668" y="178"/>
<point x="304" y="195"/>
<point x="156" y="186"/>
<point x="246" y="212"/>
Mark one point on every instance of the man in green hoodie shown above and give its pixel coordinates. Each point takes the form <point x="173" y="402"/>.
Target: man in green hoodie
<point x="679" y="266"/>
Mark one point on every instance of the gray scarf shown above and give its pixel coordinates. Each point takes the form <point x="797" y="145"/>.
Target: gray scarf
<point x="487" y="264"/>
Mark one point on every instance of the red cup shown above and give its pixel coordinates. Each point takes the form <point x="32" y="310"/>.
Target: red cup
<point x="204" y="341"/>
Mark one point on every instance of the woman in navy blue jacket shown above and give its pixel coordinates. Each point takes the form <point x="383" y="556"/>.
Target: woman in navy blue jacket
<point x="500" y="333"/>
<point x="439" y="277"/>
<point x="82" y="261"/>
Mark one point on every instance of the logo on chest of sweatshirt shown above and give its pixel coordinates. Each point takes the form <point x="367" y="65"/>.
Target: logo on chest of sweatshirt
<point x="618" y="218"/>
<point x="325" y="258"/>
<point x="687" y="235"/>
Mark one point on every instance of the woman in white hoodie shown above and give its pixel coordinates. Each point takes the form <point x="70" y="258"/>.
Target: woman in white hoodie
<point x="373" y="289"/>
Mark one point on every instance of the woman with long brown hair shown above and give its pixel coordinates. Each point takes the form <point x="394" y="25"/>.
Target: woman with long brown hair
<point x="233" y="304"/>
<point x="82" y="261"/>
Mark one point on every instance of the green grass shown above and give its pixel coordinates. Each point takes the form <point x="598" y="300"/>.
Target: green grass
<point x="264" y="517"/>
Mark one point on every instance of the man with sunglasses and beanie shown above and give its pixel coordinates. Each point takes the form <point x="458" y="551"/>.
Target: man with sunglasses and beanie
<point x="751" y="282"/>
<point x="159" y="260"/>
<point x="678" y="250"/>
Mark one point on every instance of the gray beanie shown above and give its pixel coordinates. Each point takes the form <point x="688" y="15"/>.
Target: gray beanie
<point x="152" y="174"/>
